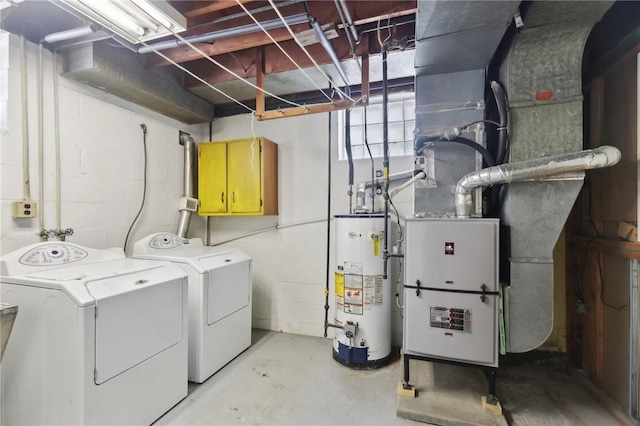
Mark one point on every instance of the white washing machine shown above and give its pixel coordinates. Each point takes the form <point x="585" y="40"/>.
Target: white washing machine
<point x="219" y="298"/>
<point x="100" y="339"/>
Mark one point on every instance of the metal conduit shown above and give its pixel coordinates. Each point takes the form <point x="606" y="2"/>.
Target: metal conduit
<point x="324" y="41"/>
<point x="604" y="156"/>
<point x="349" y="22"/>
<point x="229" y="32"/>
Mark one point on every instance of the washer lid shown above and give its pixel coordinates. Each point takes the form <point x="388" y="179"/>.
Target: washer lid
<point x="74" y="280"/>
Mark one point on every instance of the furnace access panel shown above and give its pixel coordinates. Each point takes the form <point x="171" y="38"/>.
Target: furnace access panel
<point x="451" y="290"/>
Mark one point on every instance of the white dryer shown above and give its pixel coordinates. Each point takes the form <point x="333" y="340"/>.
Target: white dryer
<point x="219" y="298"/>
<point x="100" y="339"/>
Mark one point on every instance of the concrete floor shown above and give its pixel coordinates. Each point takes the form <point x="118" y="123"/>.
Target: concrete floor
<point x="284" y="379"/>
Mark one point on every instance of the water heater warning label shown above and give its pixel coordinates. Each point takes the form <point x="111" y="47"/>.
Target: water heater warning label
<point x="353" y="294"/>
<point x="451" y="318"/>
<point x="372" y="290"/>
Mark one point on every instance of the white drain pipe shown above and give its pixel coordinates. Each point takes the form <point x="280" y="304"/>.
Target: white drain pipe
<point x="538" y="168"/>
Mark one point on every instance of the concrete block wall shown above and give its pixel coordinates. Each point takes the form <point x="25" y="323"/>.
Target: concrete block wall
<point x="101" y="153"/>
<point x="290" y="263"/>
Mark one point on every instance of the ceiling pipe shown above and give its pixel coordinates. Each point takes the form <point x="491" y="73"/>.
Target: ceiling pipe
<point x="229" y="32"/>
<point x="339" y="8"/>
<point x="70" y="34"/>
<point x="349" y="22"/>
<point x="324" y="41"/>
<point x="538" y="168"/>
<point x="243" y="14"/>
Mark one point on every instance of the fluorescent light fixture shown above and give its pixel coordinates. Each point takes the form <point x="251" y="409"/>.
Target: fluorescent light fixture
<point x="133" y="20"/>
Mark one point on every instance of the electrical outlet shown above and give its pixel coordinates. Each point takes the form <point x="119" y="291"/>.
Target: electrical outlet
<point x="24" y="209"/>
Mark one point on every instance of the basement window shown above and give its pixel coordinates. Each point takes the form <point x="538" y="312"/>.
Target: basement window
<point x="402" y="122"/>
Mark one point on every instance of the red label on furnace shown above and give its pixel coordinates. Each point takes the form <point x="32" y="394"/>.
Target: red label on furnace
<point x="544" y="96"/>
<point x="449" y="248"/>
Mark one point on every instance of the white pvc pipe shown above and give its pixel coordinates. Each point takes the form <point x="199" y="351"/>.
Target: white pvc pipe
<point x="56" y="125"/>
<point x="40" y="140"/>
<point x="538" y="168"/>
<point x="69" y="34"/>
<point x="26" y="189"/>
<point x="417" y="177"/>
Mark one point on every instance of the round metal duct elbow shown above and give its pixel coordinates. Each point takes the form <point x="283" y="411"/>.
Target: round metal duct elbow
<point x="538" y="168"/>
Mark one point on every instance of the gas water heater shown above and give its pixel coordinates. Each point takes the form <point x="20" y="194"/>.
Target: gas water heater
<point x="362" y="294"/>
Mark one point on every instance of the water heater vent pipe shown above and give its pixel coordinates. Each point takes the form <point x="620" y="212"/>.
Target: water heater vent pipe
<point x="539" y="168"/>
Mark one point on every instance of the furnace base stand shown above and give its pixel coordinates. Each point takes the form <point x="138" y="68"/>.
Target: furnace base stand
<point x="490" y="373"/>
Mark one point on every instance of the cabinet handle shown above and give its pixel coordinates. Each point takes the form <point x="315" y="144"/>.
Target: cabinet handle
<point x="233" y="197"/>
<point x="222" y="197"/>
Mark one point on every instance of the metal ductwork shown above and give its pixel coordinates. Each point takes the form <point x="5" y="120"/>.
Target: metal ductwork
<point x="455" y="42"/>
<point x="538" y="168"/>
<point x="188" y="202"/>
<point x="542" y="76"/>
<point x="121" y="73"/>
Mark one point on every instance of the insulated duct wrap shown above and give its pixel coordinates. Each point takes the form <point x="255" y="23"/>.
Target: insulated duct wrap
<point x="543" y="80"/>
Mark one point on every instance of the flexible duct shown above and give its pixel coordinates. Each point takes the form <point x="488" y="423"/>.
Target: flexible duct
<point x="604" y="156"/>
<point x="188" y="187"/>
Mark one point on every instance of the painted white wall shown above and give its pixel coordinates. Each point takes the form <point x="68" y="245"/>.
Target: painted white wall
<point x="290" y="264"/>
<point x="101" y="159"/>
<point x="101" y="153"/>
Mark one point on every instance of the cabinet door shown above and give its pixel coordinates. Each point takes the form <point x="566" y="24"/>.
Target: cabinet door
<point x="244" y="176"/>
<point x="212" y="178"/>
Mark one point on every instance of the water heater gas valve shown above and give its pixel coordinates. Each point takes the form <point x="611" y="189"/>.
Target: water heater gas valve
<point x="350" y="329"/>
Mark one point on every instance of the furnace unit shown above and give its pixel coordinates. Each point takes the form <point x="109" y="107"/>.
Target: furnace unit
<point x="451" y="293"/>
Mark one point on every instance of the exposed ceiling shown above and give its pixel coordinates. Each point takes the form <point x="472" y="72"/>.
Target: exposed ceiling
<point x="373" y="21"/>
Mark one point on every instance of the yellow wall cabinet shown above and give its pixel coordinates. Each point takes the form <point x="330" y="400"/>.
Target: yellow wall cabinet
<point x="238" y="177"/>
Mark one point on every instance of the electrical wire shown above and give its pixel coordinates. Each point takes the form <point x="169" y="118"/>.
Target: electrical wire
<point x="602" y="282"/>
<point x="144" y="184"/>
<point x="280" y="47"/>
<point x="398" y="283"/>
<point x="304" y="49"/>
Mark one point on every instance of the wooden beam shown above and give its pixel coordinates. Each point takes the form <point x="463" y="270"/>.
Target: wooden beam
<point x="260" y="81"/>
<point x="276" y="61"/>
<point x="212" y="7"/>
<point x="364" y="11"/>
<point x="221" y="46"/>
<point x="307" y="109"/>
